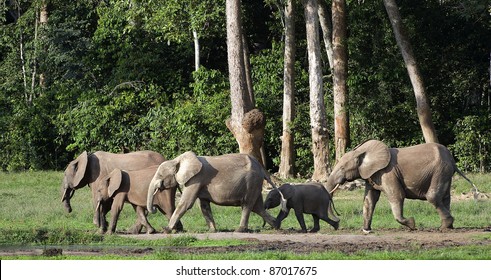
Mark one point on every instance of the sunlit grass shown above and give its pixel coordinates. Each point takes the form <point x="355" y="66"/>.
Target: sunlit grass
<point x="31" y="213"/>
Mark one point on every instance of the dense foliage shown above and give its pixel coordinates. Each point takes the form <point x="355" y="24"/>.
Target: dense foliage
<point x="119" y="76"/>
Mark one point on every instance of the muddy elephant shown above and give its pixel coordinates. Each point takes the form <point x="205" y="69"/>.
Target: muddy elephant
<point x="421" y="172"/>
<point x="228" y="180"/>
<point x="309" y="198"/>
<point x="131" y="187"/>
<point x="87" y="168"/>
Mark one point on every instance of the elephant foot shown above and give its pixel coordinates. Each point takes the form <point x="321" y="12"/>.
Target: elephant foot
<point x="150" y="230"/>
<point x="136" y="229"/>
<point x="167" y="230"/>
<point x="335" y="225"/>
<point x="411" y="224"/>
<point x="179" y="227"/>
<point x="314" y="230"/>
<point x="447" y="224"/>
<point x="367" y="231"/>
<point x="242" y="229"/>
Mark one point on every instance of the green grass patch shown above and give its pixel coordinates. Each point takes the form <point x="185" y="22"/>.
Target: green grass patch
<point x="31" y="214"/>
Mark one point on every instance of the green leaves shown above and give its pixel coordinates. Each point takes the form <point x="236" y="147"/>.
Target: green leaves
<point x="472" y="147"/>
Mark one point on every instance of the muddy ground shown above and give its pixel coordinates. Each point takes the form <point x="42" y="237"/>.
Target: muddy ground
<point x="288" y="241"/>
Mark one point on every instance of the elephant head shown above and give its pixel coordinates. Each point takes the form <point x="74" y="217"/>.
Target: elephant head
<point x="364" y="161"/>
<point x="105" y="190"/>
<point x="274" y="197"/>
<point x="73" y="179"/>
<point x="172" y="173"/>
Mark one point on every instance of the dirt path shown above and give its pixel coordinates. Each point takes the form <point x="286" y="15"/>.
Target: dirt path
<point x="346" y="242"/>
<point x="343" y="241"/>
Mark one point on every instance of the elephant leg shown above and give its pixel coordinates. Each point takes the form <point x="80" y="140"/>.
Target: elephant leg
<point x="167" y="209"/>
<point x="244" y="219"/>
<point x="397" y="206"/>
<point x="206" y="210"/>
<point x="300" y="219"/>
<point x="188" y="197"/>
<point x="333" y="223"/>
<point x="115" y="211"/>
<point x="281" y="216"/>
<point x="138" y="226"/>
<point x="317" y="226"/>
<point x="370" y="200"/>
<point x="142" y="216"/>
<point x="259" y="209"/>
<point x="100" y="215"/>
<point x="442" y="204"/>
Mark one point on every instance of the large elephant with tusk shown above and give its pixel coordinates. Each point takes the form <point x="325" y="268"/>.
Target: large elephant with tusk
<point x="228" y="180"/>
<point x="421" y="172"/>
<point x="87" y="168"/>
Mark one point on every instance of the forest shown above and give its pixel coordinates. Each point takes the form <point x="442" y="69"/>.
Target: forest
<point x="132" y="75"/>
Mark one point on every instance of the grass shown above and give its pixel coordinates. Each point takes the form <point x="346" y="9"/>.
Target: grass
<point x="31" y="214"/>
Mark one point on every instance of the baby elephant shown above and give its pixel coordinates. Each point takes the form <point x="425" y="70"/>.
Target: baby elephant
<point x="309" y="198"/>
<point x="132" y="186"/>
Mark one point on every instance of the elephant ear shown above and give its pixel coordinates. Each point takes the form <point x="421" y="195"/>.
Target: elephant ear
<point x="287" y="190"/>
<point x="79" y="166"/>
<point x="113" y="181"/>
<point x="373" y="156"/>
<point x="189" y="166"/>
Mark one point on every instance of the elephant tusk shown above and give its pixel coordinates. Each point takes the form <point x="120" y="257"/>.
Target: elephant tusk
<point x="179" y="188"/>
<point x="283" y="202"/>
<point x="63" y="197"/>
<point x="335" y="188"/>
<point x="155" y="192"/>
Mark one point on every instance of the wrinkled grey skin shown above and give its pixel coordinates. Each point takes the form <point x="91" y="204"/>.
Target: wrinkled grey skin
<point x="418" y="172"/>
<point x="131" y="187"/>
<point x="87" y="168"/>
<point x="308" y="198"/>
<point x="228" y="180"/>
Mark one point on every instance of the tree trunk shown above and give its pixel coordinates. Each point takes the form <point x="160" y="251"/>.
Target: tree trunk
<point x="423" y="107"/>
<point x="287" y="164"/>
<point x="320" y="137"/>
<point x="246" y="123"/>
<point x="340" y="58"/>
<point x="326" y="27"/>
<point x="43" y="22"/>
<point x="196" y="50"/>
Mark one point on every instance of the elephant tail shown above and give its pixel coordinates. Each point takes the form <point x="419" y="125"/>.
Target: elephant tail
<point x="283" y="200"/>
<point x="475" y="191"/>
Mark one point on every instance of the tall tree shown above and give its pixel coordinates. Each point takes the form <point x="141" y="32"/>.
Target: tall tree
<point x="326" y="27"/>
<point x="340" y="69"/>
<point x="318" y="123"/>
<point x="287" y="163"/>
<point x="246" y="123"/>
<point x="423" y="107"/>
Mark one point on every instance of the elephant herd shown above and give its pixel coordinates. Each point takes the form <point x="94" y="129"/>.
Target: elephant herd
<point x="149" y="182"/>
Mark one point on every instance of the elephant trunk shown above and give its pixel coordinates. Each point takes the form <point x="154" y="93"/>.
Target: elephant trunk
<point x="153" y="188"/>
<point x="67" y="195"/>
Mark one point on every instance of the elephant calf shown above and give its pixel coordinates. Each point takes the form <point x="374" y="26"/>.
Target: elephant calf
<point x="131" y="186"/>
<point x="309" y="198"/>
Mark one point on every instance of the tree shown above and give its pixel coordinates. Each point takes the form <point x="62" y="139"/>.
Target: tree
<point x="320" y="137"/>
<point x="340" y="69"/>
<point x="423" y="107"/>
<point x="246" y="123"/>
<point x="287" y="163"/>
<point x="326" y="27"/>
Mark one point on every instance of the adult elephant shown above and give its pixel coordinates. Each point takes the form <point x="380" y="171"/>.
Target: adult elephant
<point x="229" y="180"/>
<point x="88" y="168"/>
<point x="418" y="172"/>
<point x="131" y="187"/>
